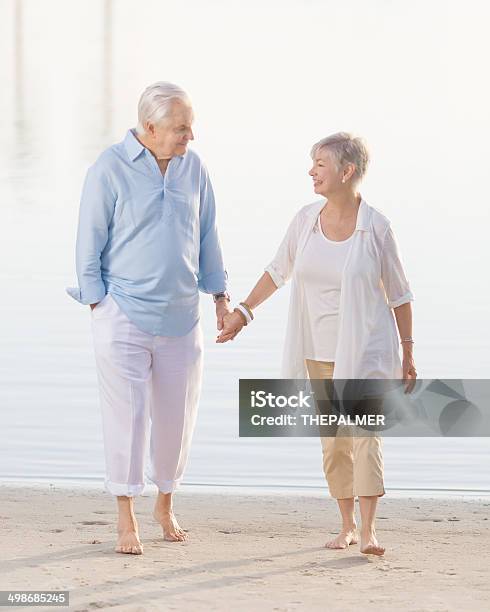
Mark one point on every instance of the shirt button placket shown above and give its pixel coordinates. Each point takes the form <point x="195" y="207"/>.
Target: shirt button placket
<point x="160" y="182"/>
<point x="166" y="205"/>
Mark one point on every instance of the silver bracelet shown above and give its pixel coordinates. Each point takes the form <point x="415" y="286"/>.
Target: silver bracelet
<point x="407" y="340"/>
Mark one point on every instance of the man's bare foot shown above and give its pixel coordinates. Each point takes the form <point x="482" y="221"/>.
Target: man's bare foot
<point x="172" y="532"/>
<point x="347" y="536"/>
<point x="370" y="545"/>
<point x="128" y="540"/>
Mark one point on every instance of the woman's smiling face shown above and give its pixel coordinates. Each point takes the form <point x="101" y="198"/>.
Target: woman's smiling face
<point x="326" y="177"/>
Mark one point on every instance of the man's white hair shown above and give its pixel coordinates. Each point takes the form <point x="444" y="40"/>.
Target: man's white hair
<point x="345" y="149"/>
<point x="156" y="101"/>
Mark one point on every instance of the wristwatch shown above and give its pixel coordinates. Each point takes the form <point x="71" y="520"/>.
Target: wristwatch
<point x="222" y="294"/>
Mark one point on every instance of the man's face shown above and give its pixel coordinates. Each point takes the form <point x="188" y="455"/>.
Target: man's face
<point x="171" y="136"/>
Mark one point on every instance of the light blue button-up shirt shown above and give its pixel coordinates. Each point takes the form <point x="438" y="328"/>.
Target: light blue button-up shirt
<point x="150" y="240"/>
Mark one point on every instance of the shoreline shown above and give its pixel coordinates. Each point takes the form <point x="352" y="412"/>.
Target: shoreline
<point x="238" y="489"/>
<point x="261" y="552"/>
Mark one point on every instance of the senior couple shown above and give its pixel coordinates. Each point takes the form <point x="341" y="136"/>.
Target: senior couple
<point x="147" y="243"/>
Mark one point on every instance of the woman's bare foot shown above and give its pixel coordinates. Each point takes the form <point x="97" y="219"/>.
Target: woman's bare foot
<point x="347" y="536"/>
<point x="128" y="541"/>
<point x="369" y="542"/>
<point x="370" y="545"/>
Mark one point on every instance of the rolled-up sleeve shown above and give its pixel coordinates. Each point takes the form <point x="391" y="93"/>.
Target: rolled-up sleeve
<point x="395" y="283"/>
<point x="95" y="215"/>
<point x="212" y="276"/>
<point x="281" y="267"/>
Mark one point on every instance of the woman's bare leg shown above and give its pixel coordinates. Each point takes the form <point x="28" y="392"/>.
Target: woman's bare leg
<point x="348" y="534"/>
<point x="369" y="542"/>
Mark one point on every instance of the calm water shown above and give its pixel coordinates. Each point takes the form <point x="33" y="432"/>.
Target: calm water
<point x="70" y="76"/>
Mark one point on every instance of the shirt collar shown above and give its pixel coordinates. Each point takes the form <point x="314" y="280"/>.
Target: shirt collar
<point x="363" y="214"/>
<point x="134" y="146"/>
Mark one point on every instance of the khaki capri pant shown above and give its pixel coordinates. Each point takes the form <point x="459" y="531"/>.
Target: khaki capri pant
<point x="353" y="466"/>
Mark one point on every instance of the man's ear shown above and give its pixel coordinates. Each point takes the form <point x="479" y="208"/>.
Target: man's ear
<point x="150" y="128"/>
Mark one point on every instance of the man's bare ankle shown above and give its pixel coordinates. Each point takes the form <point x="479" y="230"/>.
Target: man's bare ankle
<point x="164" y="510"/>
<point x="127" y="520"/>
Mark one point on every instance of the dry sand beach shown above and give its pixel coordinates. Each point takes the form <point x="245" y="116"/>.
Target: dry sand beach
<point x="246" y="552"/>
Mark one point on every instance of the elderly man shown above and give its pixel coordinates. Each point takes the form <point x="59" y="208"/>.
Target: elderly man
<point x="147" y="242"/>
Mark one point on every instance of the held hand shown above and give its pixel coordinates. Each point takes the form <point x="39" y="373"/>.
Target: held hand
<point x="409" y="373"/>
<point x="232" y="325"/>
<point x="222" y="309"/>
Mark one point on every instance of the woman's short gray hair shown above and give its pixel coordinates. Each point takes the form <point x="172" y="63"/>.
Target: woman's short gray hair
<point x="345" y="149"/>
<point x="156" y="101"/>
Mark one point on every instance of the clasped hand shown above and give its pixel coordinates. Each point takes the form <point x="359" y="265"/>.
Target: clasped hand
<point x="232" y="325"/>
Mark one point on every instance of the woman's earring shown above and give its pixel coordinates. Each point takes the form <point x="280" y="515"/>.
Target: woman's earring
<point x="343" y="179"/>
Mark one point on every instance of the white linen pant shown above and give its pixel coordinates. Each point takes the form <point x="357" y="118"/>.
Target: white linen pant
<point x="143" y="380"/>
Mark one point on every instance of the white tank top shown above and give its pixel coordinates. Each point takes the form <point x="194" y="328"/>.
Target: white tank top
<point x="319" y="268"/>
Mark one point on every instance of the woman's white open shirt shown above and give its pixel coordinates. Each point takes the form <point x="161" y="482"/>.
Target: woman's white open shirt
<point x="373" y="282"/>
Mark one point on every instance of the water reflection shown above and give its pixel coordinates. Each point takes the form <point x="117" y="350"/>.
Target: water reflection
<point x="71" y="82"/>
<point x="19" y="159"/>
<point x="107" y="95"/>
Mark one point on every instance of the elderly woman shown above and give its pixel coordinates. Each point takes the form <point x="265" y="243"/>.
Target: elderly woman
<point x="348" y="281"/>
